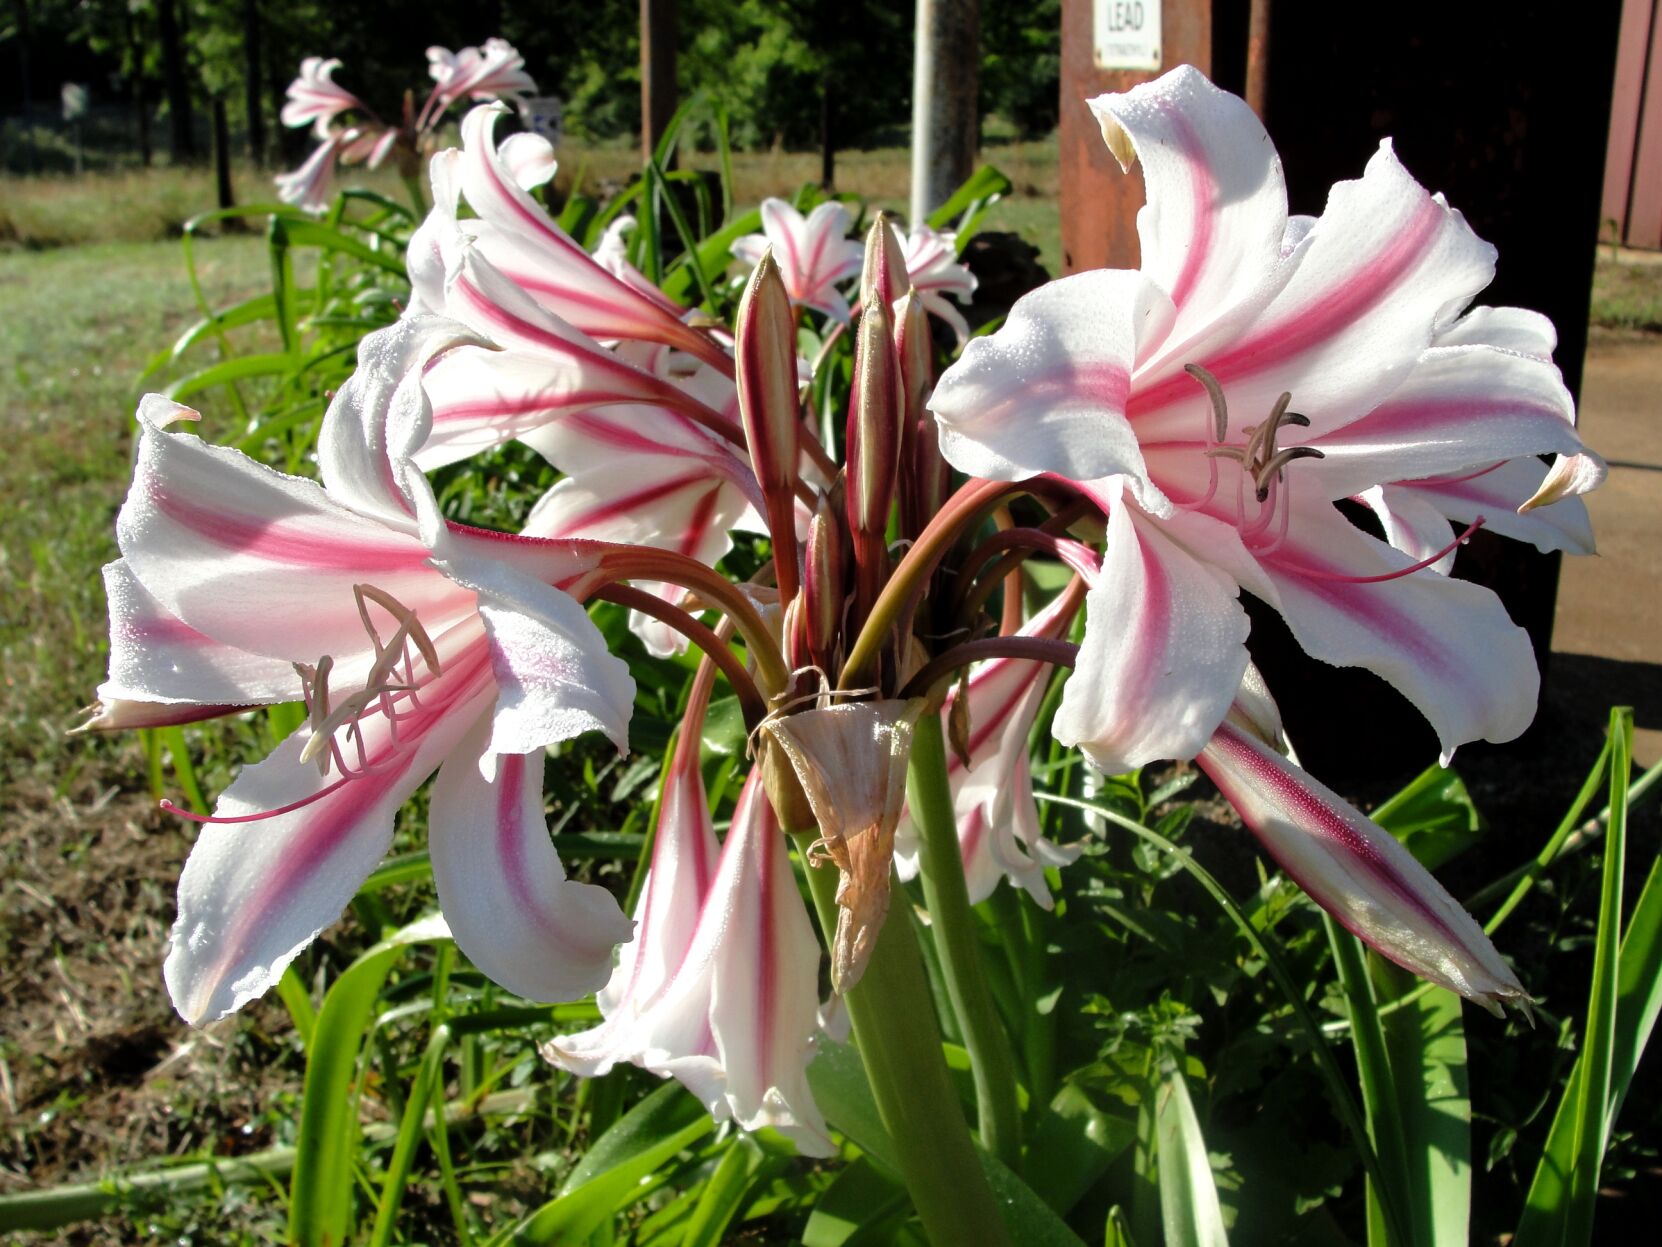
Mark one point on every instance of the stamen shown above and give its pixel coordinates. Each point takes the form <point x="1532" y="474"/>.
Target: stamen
<point x="1220" y="409"/>
<point x="1271" y="468"/>
<point x="261" y="815"/>
<point x="1462" y="539"/>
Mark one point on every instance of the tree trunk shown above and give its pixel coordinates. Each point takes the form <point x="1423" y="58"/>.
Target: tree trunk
<point x="181" y="133"/>
<point x="251" y="80"/>
<point x="657" y="71"/>
<point x="222" y="154"/>
<point x="135" y="83"/>
<point x="827" y="150"/>
<point x="24" y="86"/>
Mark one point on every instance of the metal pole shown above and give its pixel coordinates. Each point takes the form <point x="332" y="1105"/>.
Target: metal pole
<point x="946" y="118"/>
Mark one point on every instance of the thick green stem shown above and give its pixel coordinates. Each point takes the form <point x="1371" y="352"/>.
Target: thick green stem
<point x="952" y="925"/>
<point x="900" y="1045"/>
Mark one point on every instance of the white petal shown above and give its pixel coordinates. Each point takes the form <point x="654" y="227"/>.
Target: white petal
<point x="1383" y="271"/>
<point x="1048" y="391"/>
<point x="1445" y="644"/>
<point x="1412" y="524"/>
<point x="253" y="895"/>
<point x="1507" y="328"/>
<point x="1163" y="654"/>
<point x="1460" y="408"/>
<point x="1213" y="226"/>
<point x="556" y="676"/>
<point x="155" y="656"/>
<point x="1498" y="495"/>
<point x="240" y="552"/>
<point x="500" y="883"/>
<point x="379" y="419"/>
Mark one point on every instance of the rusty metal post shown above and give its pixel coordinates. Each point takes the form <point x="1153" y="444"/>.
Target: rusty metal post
<point x="657" y="72"/>
<point x="1258" y="56"/>
<point x="946" y="115"/>
<point x="1099" y="203"/>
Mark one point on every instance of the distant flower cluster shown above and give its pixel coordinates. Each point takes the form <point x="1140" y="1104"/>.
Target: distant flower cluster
<point x="494" y="71"/>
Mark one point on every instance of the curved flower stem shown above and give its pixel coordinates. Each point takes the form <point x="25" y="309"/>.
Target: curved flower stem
<point x="964" y="509"/>
<point x="900" y="1046"/>
<point x="702" y="635"/>
<point x="952" y="924"/>
<point x="939" y="669"/>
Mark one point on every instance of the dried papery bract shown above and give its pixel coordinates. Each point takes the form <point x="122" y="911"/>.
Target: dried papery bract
<point x="851" y="763"/>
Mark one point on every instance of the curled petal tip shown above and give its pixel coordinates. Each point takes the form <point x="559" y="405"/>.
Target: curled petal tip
<point x="1569" y="475"/>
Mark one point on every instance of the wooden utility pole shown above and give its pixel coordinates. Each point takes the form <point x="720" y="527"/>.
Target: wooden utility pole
<point x="946" y="110"/>
<point x="657" y="72"/>
<point x="1103" y="49"/>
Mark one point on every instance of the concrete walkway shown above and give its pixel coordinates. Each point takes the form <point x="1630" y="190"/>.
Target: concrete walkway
<point x="1607" y="638"/>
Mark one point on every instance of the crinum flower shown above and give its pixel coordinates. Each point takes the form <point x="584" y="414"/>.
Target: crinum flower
<point x="1217" y="403"/>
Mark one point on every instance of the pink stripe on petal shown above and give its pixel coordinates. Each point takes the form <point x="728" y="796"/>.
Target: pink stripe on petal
<point x="1275" y="344"/>
<point x="294" y="542"/>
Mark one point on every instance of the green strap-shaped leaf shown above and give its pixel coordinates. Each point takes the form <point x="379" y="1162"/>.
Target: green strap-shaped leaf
<point x="1189" y="1207"/>
<point x="320" y="1194"/>
<point x="1559" y="1209"/>
<point x="608" y="1178"/>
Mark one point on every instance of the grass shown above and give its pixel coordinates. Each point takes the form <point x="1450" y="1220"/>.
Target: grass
<point x="63" y="210"/>
<point x="1627" y="291"/>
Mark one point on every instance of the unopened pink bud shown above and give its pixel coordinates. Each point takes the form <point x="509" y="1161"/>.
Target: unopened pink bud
<point x="767" y="385"/>
<point x="823" y="591"/>
<point x="883" y="276"/>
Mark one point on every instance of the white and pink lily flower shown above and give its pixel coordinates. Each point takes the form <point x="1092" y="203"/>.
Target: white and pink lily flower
<point x="719" y="990"/>
<point x="415" y="646"/>
<point x="513" y="232"/>
<point x="814" y="253"/>
<point x="999" y="833"/>
<point x="1215" y="403"/>
<point x="315" y="99"/>
<point x="933" y="270"/>
<point x="484" y="73"/>
<point x="310" y="185"/>
<point x="1356" y="870"/>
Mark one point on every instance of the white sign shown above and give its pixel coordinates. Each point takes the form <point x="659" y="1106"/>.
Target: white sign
<point x="1126" y="33"/>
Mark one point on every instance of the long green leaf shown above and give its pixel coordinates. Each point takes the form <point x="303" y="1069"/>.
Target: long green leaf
<point x="860" y="1207"/>
<point x="1558" y="1211"/>
<point x="607" y="1179"/>
<point x="227" y="371"/>
<point x="314" y="234"/>
<point x="724" y="1194"/>
<point x="1638" y="989"/>
<point x="1426" y="1045"/>
<point x="1189" y="1207"/>
<point x="963" y="208"/>
<point x="320" y="1194"/>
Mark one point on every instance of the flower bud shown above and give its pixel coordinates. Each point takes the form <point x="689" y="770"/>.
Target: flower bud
<point x="883" y="278"/>
<point x="915" y="348"/>
<point x="767" y="385"/>
<point x="874" y="416"/>
<point x="823" y="592"/>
